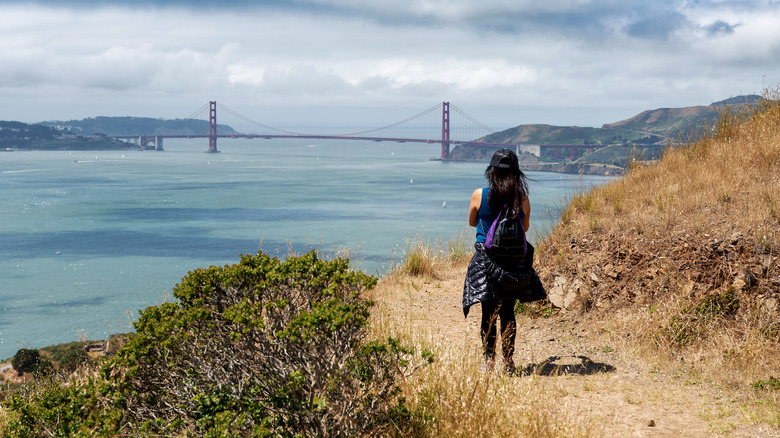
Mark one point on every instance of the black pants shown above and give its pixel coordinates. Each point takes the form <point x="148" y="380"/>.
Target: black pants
<point x="491" y="311"/>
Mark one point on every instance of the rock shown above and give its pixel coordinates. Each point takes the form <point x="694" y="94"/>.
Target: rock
<point x="557" y="292"/>
<point x="562" y="295"/>
<point x="738" y="284"/>
<point x="572" y="293"/>
<point x="593" y="277"/>
<point x="651" y="423"/>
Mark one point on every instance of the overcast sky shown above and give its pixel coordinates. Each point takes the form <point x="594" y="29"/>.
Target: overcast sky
<point x="372" y="62"/>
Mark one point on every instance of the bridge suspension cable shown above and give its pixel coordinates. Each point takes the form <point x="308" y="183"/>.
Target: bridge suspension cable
<point x="199" y="114"/>
<point x="253" y="123"/>
<point x="472" y="119"/>
<point x="393" y="125"/>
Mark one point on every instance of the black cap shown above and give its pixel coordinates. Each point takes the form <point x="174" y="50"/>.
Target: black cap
<point x="505" y="159"/>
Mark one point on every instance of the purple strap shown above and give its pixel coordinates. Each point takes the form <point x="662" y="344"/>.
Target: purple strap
<point x="492" y="230"/>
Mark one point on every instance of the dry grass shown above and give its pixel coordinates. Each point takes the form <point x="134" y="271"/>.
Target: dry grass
<point x="649" y="249"/>
<point x="701" y="222"/>
<point x="422" y="258"/>
<point x="462" y="402"/>
<point x="455" y="399"/>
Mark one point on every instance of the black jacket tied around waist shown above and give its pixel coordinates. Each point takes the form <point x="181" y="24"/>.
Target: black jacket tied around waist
<point x="490" y="277"/>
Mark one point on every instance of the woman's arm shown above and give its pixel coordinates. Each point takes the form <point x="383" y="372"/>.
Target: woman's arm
<point x="527" y="211"/>
<point x="476" y="200"/>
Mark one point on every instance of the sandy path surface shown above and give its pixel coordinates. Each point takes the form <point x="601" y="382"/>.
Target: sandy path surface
<point x="623" y="395"/>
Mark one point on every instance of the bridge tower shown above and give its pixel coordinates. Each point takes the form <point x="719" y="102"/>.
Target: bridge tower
<point x="213" y="127"/>
<point x="445" y="130"/>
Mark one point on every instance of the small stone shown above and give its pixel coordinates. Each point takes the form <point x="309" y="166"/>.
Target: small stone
<point x="651" y="423"/>
<point x="593" y="277"/>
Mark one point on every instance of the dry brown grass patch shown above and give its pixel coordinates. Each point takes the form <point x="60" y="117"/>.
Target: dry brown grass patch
<point x="700" y="221"/>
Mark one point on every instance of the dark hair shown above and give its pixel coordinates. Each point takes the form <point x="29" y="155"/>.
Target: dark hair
<point x="507" y="182"/>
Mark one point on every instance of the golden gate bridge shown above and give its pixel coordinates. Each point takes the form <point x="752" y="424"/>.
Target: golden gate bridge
<point x="432" y="126"/>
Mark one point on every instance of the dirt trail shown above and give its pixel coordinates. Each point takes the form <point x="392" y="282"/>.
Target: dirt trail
<point x="623" y="395"/>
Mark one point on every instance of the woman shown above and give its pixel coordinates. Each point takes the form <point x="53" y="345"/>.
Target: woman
<point x="497" y="281"/>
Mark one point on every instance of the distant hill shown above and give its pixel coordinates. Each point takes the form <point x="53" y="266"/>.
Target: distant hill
<point x="550" y="134"/>
<point x="18" y="135"/>
<point x="123" y="126"/>
<point x="642" y="137"/>
<point x="672" y="121"/>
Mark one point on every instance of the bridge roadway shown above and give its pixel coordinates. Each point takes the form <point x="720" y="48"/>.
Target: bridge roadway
<point x="157" y="141"/>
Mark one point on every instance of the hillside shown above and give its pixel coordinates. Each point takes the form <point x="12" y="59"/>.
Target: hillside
<point x="549" y="134"/>
<point x="670" y="122"/>
<point x="122" y="126"/>
<point x="663" y="316"/>
<point x="643" y="137"/>
<point x="18" y="135"/>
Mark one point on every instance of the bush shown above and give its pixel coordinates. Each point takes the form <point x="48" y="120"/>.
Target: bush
<point x="69" y="357"/>
<point x="52" y="406"/>
<point x="257" y="347"/>
<point x="26" y="360"/>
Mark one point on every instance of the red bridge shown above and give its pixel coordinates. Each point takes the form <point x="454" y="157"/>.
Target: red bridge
<point x="416" y="129"/>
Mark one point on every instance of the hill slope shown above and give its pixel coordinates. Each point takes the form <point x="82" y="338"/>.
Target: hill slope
<point x="122" y="126"/>
<point x="18" y="135"/>
<point x="549" y="134"/>
<point x="663" y="316"/>
<point x="642" y="137"/>
<point x="673" y="121"/>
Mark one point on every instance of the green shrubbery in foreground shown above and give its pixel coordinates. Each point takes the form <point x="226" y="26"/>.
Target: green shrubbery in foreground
<point x="259" y="348"/>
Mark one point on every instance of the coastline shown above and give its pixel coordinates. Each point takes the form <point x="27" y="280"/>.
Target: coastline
<point x="574" y="168"/>
<point x="567" y="168"/>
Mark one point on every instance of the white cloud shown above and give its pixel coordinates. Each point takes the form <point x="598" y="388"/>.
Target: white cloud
<point x="602" y="57"/>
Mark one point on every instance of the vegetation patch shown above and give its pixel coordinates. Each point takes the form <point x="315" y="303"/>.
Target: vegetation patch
<point x="770" y="384"/>
<point x="262" y="347"/>
<point x="692" y="322"/>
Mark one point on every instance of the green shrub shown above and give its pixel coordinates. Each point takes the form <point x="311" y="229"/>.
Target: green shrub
<point x="26" y="360"/>
<point x="69" y="356"/>
<point x="770" y="384"/>
<point x="259" y="347"/>
<point x="55" y="407"/>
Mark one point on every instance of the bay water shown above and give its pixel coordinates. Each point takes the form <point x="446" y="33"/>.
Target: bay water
<point x="89" y="238"/>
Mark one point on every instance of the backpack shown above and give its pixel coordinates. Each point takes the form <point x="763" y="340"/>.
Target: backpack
<point x="506" y="236"/>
